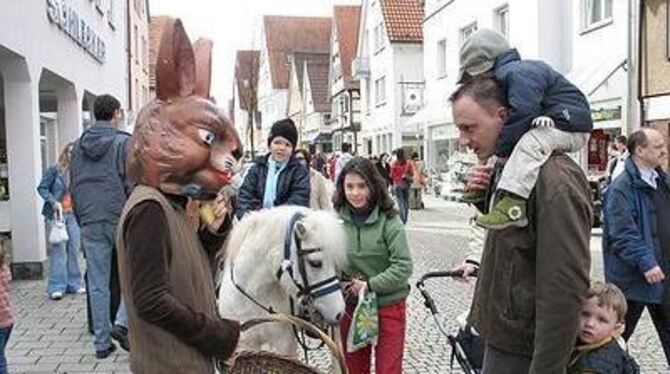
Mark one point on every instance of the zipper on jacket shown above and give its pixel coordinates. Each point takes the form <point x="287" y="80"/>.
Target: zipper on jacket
<point x="358" y="239"/>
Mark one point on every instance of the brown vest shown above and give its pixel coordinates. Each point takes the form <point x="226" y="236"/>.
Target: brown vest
<point x="152" y="349"/>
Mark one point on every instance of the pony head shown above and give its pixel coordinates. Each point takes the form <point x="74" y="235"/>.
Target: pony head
<point x="182" y="143"/>
<point x="302" y="251"/>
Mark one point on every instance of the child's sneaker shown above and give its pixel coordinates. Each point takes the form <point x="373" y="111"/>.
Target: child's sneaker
<point x="473" y="196"/>
<point x="509" y="211"/>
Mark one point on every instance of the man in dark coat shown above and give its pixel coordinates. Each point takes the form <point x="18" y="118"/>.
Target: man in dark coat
<point x="636" y="240"/>
<point x="532" y="280"/>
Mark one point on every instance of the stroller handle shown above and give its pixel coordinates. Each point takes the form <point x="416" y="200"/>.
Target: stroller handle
<point x="428" y="300"/>
<point x="439" y="274"/>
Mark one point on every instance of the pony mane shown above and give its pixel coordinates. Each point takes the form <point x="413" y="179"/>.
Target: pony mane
<point x="263" y="232"/>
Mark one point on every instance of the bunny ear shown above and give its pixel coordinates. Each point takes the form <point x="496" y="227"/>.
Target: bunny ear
<point x="202" y="48"/>
<point x="175" y="66"/>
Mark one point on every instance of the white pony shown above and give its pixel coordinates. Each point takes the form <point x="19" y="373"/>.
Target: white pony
<point x="281" y="258"/>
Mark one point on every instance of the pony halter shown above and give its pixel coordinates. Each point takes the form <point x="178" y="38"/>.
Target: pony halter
<point x="285" y="272"/>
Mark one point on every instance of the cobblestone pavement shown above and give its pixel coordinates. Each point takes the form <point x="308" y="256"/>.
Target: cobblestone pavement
<point x="50" y="336"/>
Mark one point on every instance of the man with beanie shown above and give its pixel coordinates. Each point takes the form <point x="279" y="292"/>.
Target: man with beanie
<point x="277" y="178"/>
<point x="546" y="114"/>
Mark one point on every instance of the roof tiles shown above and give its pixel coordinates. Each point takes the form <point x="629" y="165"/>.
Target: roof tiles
<point x="403" y="20"/>
<point x="285" y="35"/>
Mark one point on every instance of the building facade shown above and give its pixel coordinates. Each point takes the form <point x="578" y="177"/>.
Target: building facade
<point x="245" y="108"/>
<point x="309" y="104"/>
<point x="389" y="65"/>
<point x="655" y="66"/>
<point x="138" y="57"/>
<point x="281" y="36"/>
<point x="55" y="57"/>
<point x="345" y="93"/>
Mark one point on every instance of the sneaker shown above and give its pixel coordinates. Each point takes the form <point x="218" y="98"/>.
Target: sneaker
<point x="80" y="291"/>
<point x="105" y="352"/>
<point x="56" y="295"/>
<point x="473" y="196"/>
<point x="120" y="334"/>
<point x="510" y="211"/>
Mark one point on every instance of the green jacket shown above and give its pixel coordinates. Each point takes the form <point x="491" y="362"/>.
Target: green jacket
<point x="378" y="252"/>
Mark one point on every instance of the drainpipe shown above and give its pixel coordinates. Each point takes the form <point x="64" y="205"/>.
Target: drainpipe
<point x="129" y="59"/>
<point x="633" y="119"/>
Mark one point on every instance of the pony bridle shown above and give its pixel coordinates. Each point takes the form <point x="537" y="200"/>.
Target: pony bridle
<point x="305" y="292"/>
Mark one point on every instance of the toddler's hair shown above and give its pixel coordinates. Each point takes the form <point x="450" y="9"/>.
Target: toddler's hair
<point x="610" y="296"/>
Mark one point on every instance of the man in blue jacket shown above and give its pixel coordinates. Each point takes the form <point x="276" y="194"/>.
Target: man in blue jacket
<point x="636" y="241"/>
<point x="99" y="191"/>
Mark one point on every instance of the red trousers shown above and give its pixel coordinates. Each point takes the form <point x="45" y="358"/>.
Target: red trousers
<point x="390" y="343"/>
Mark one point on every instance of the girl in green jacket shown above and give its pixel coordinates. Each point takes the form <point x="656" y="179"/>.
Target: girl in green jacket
<point x="378" y="258"/>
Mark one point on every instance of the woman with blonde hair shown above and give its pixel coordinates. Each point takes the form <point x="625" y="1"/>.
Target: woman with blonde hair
<point x="64" y="274"/>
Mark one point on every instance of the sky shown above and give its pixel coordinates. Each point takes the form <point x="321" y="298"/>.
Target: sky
<point x="234" y="25"/>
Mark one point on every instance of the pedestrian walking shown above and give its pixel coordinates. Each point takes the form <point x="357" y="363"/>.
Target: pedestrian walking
<point x="532" y="280"/>
<point x="378" y="260"/>
<point x="99" y="189"/>
<point x="402" y="174"/>
<point x="636" y="238"/>
<point x="6" y="313"/>
<point x="384" y="168"/>
<point x="342" y="160"/>
<point x="418" y="183"/>
<point x="54" y="188"/>
<point x="277" y="178"/>
<point x="320" y="197"/>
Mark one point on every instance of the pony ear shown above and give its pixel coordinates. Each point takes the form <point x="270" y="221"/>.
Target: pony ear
<point x="202" y="48"/>
<point x="175" y="65"/>
<point x="301" y="230"/>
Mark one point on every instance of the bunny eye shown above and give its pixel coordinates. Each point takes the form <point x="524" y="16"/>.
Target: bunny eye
<point x="207" y="136"/>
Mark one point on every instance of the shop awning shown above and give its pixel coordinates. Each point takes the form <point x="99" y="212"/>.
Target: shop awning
<point x="319" y="137"/>
<point x="430" y="114"/>
<point x="590" y="77"/>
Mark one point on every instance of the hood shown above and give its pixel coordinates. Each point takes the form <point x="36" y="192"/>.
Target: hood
<point x="97" y="139"/>
<point x="507" y="57"/>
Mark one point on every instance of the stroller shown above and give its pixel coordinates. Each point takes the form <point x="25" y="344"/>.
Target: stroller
<point x="467" y="347"/>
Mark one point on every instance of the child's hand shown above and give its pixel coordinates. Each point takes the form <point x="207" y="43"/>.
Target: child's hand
<point x="543" y="121"/>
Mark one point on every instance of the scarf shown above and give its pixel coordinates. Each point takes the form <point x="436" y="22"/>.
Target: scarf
<point x="274" y="168"/>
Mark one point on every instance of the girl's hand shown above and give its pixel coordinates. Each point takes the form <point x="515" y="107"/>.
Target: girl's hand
<point x="354" y="286"/>
<point x="220" y="208"/>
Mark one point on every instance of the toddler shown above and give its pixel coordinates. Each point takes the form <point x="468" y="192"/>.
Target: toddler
<point x="546" y="114"/>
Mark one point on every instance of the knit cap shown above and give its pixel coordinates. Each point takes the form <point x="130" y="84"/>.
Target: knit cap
<point x="286" y="129"/>
<point x="478" y="53"/>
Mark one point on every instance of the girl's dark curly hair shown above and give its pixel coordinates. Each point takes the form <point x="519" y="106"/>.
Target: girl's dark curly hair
<point x="378" y="192"/>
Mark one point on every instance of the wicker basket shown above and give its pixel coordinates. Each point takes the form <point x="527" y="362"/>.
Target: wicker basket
<point x="267" y="362"/>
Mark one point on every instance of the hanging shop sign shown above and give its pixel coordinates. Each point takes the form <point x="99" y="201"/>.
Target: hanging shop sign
<point x="70" y="22"/>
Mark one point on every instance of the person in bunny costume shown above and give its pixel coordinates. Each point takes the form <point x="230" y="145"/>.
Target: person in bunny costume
<point x="183" y="149"/>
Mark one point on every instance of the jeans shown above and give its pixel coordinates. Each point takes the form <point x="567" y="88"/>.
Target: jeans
<point x="4" y="337"/>
<point x="98" y="240"/>
<point x="402" y="193"/>
<point x="660" y="315"/>
<point x="64" y="274"/>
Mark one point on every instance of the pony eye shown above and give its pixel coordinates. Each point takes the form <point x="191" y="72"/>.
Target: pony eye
<point x="206" y="136"/>
<point x="316" y="264"/>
